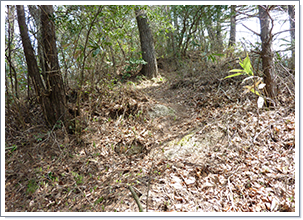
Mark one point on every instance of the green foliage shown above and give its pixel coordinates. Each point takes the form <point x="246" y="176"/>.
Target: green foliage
<point x="132" y="67"/>
<point x="247" y="68"/>
<point x="13" y="148"/>
<point x="38" y="137"/>
<point x="289" y="44"/>
<point x="78" y="178"/>
<point x="98" y="200"/>
<point x="59" y="124"/>
<point x="51" y="176"/>
<point x="257" y="84"/>
<point x="32" y="186"/>
<point x="212" y="57"/>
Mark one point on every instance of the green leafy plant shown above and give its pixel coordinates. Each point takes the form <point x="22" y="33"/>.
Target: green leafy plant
<point x="212" y="57"/>
<point x="78" y="178"/>
<point x="32" y="186"/>
<point x="98" y="200"/>
<point x="58" y="124"/>
<point x="132" y="66"/>
<point x="257" y="85"/>
<point x="13" y="148"/>
<point x="247" y="68"/>
<point x="51" y="176"/>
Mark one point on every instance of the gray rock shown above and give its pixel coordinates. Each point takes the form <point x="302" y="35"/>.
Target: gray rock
<point x="160" y="111"/>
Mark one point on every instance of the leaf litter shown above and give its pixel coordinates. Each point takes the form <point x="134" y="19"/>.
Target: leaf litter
<point x="216" y="153"/>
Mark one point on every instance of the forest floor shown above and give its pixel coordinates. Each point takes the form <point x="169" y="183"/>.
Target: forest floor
<point x="184" y="143"/>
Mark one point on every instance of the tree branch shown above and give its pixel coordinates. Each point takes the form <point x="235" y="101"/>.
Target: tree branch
<point x="291" y="29"/>
<point x="251" y="30"/>
<point x="136" y="198"/>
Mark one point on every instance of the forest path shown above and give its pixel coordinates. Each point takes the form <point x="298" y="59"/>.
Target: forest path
<point x="181" y="96"/>
<point x="165" y="93"/>
<point x="170" y="95"/>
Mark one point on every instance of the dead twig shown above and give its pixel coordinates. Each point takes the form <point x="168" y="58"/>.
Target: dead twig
<point x="134" y="194"/>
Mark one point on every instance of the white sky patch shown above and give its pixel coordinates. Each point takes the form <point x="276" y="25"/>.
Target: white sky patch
<point x="281" y="23"/>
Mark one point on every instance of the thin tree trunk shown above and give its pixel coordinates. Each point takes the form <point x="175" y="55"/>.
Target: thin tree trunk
<point x="192" y="29"/>
<point x="11" y="19"/>
<point x="219" y="39"/>
<point x="267" y="54"/>
<point x="175" y="33"/>
<point x="7" y="96"/>
<point x="170" y="39"/>
<point x="85" y="57"/>
<point x="121" y="48"/>
<point x="232" y="38"/>
<point x="147" y="45"/>
<point x="211" y="36"/>
<point x="291" y="13"/>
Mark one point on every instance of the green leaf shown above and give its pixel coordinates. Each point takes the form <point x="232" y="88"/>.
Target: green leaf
<point x="237" y="74"/>
<point x="256" y="92"/>
<point x="236" y="70"/>
<point x="247" y="67"/>
<point x="96" y="52"/>
<point x="219" y="54"/>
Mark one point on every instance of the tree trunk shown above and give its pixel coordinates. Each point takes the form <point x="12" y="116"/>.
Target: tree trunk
<point x="32" y="67"/>
<point x="219" y="39"/>
<point x="291" y="13"/>
<point x="232" y="38"/>
<point x="54" y="82"/>
<point x="36" y="14"/>
<point x="267" y="54"/>
<point x="150" y="70"/>
<point x="192" y="29"/>
<point x="170" y="48"/>
<point x="11" y="24"/>
<point x="51" y="96"/>
<point x="211" y="36"/>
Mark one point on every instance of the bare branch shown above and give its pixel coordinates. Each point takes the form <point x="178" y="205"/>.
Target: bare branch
<point x="251" y="30"/>
<point x="291" y="29"/>
<point x="135" y="196"/>
<point x="272" y="20"/>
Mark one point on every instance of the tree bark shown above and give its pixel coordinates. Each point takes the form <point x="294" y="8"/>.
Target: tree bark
<point x="54" y="82"/>
<point x="219" y="39"/>
<point x="11" y="22"/>
<point x="232" y="38"/>
<point x="32" y="67"/>
<point x="36" y="14"/>
<point x="50" y="94"/>
<point x="175" y="33"/>
<point x="267" y="54"/>
<point x="150" y="70"/>
<point x="211" y="34"/>
<point x="291" y="13"/>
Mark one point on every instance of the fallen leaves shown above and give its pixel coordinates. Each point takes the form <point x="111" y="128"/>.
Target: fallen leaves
<point x="214" y="156"/>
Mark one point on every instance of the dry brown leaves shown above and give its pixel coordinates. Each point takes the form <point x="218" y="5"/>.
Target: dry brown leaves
<point x="236" y="160"/>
